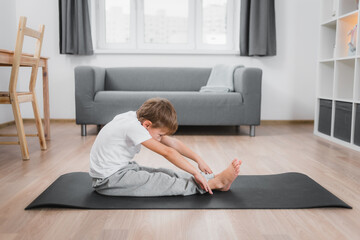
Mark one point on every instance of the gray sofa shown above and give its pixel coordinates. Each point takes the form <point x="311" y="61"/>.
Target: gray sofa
<point x="102" y="93"/>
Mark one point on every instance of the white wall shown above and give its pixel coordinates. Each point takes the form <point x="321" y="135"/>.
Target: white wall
<point x="7" y="41"/>
<point x="288" y="91"/>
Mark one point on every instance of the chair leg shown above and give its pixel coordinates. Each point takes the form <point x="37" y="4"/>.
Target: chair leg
<point x="20" y="129"/>
<point x="252" y="131"/>
<point x="39" y="125"/>
<point x="83" y="130"/>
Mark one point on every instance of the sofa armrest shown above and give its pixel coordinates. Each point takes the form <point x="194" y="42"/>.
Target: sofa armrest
<point x="88" y="81"/>
<point x="247" y="81"/>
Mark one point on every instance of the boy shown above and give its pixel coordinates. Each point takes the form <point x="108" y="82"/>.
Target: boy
<point x="117" y="143"/>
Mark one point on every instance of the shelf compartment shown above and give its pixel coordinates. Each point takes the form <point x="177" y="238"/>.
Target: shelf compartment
<point x="325" y="112"/>
<point x="342" y="123"/>
<point x="357" y="125"/>
<point x="347" y="6"/>
<point x="326" y="77"/>
<point x="344" y="79"/>
<point x="357" y="81"/>
<point x="344" y="26"/>
<point x="328" y="38"/>
<point x="329" y="9"/>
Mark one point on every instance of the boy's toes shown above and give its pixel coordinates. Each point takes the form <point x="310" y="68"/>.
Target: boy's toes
<point x="236" y="163"/>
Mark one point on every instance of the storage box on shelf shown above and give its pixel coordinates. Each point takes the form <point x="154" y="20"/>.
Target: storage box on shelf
<point x="342" y="124"/>
<point x="337" y="111"/>
<point x="325" y="116"/>
<point x="357" y="125"/>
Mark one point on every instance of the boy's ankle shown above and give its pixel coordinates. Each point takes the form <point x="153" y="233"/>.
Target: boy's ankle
<point x="215" y="183"/>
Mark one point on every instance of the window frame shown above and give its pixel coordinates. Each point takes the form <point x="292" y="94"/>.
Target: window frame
<point x="138" y="46"/>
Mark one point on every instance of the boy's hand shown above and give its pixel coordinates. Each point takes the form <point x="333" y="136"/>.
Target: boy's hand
<point x="204" y="167"/>
<point x="202" y="182"/>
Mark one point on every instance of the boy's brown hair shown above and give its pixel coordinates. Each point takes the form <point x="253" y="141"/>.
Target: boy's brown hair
<point x="160" y="112"/>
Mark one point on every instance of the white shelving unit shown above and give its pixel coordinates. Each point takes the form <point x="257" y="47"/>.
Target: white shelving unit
<point x="338" y="80"/>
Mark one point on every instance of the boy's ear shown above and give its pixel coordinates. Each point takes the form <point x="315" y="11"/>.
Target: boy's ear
<point x="147" y="124"/>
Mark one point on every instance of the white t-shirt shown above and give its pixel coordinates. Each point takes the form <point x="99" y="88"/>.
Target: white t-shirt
<point x="116" y="144"/>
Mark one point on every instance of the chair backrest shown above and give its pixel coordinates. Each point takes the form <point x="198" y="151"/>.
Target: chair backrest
<point x="28" y="60"/>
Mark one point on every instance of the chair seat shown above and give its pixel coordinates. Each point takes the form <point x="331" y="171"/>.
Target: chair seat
<point x="22" y="97"/>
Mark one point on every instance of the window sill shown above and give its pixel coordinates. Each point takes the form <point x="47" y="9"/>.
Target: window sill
<point x="167" y="52"/>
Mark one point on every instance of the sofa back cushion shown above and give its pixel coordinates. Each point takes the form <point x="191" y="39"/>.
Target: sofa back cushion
<point x="156" y="79"/>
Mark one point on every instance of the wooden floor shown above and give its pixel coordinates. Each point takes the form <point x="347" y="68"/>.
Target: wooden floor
<point x="275" y="149"/>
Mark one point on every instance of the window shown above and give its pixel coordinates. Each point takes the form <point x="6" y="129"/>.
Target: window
<point x="114" y="20"/>
<point x="214" y="22"/>
<point x="166" y="25"/>
<point x="166" y="21"/>
<point x="117" y="21"/>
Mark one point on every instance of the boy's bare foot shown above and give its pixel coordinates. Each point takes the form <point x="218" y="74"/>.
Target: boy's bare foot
<point x="223" y="180"/>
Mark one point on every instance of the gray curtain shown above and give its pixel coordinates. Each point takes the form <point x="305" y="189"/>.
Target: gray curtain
<point x="257" y="28"/>
<point x="75" y="31"/>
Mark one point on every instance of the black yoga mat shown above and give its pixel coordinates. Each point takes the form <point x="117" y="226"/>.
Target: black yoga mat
<point x="280" y="191"/>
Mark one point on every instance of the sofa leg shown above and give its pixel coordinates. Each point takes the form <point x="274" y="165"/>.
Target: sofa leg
<point x="83" y="130"/>
<point x="252" y="131"/>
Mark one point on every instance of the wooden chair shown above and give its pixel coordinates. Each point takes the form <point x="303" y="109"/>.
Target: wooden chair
<point x="14" y="98"/>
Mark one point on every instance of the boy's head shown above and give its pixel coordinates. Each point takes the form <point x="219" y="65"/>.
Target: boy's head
<point x="160" y="113"/>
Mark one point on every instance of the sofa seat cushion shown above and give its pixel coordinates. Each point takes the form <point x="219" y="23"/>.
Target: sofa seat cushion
<point x="191" y="107"/>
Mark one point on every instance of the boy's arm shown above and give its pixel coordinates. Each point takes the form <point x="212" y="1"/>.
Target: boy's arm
<point x="175" y="158"/>
<point x="185" y="151"/>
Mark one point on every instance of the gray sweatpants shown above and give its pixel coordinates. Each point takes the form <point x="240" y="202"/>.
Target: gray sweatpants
<point x="139" y="181"/>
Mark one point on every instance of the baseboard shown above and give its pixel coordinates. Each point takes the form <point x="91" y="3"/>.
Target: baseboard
<point x="32" y="120"/>
<point x="53" y="120"/>
<point x="6" y="124"/>
<point x="285" y="122"/>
